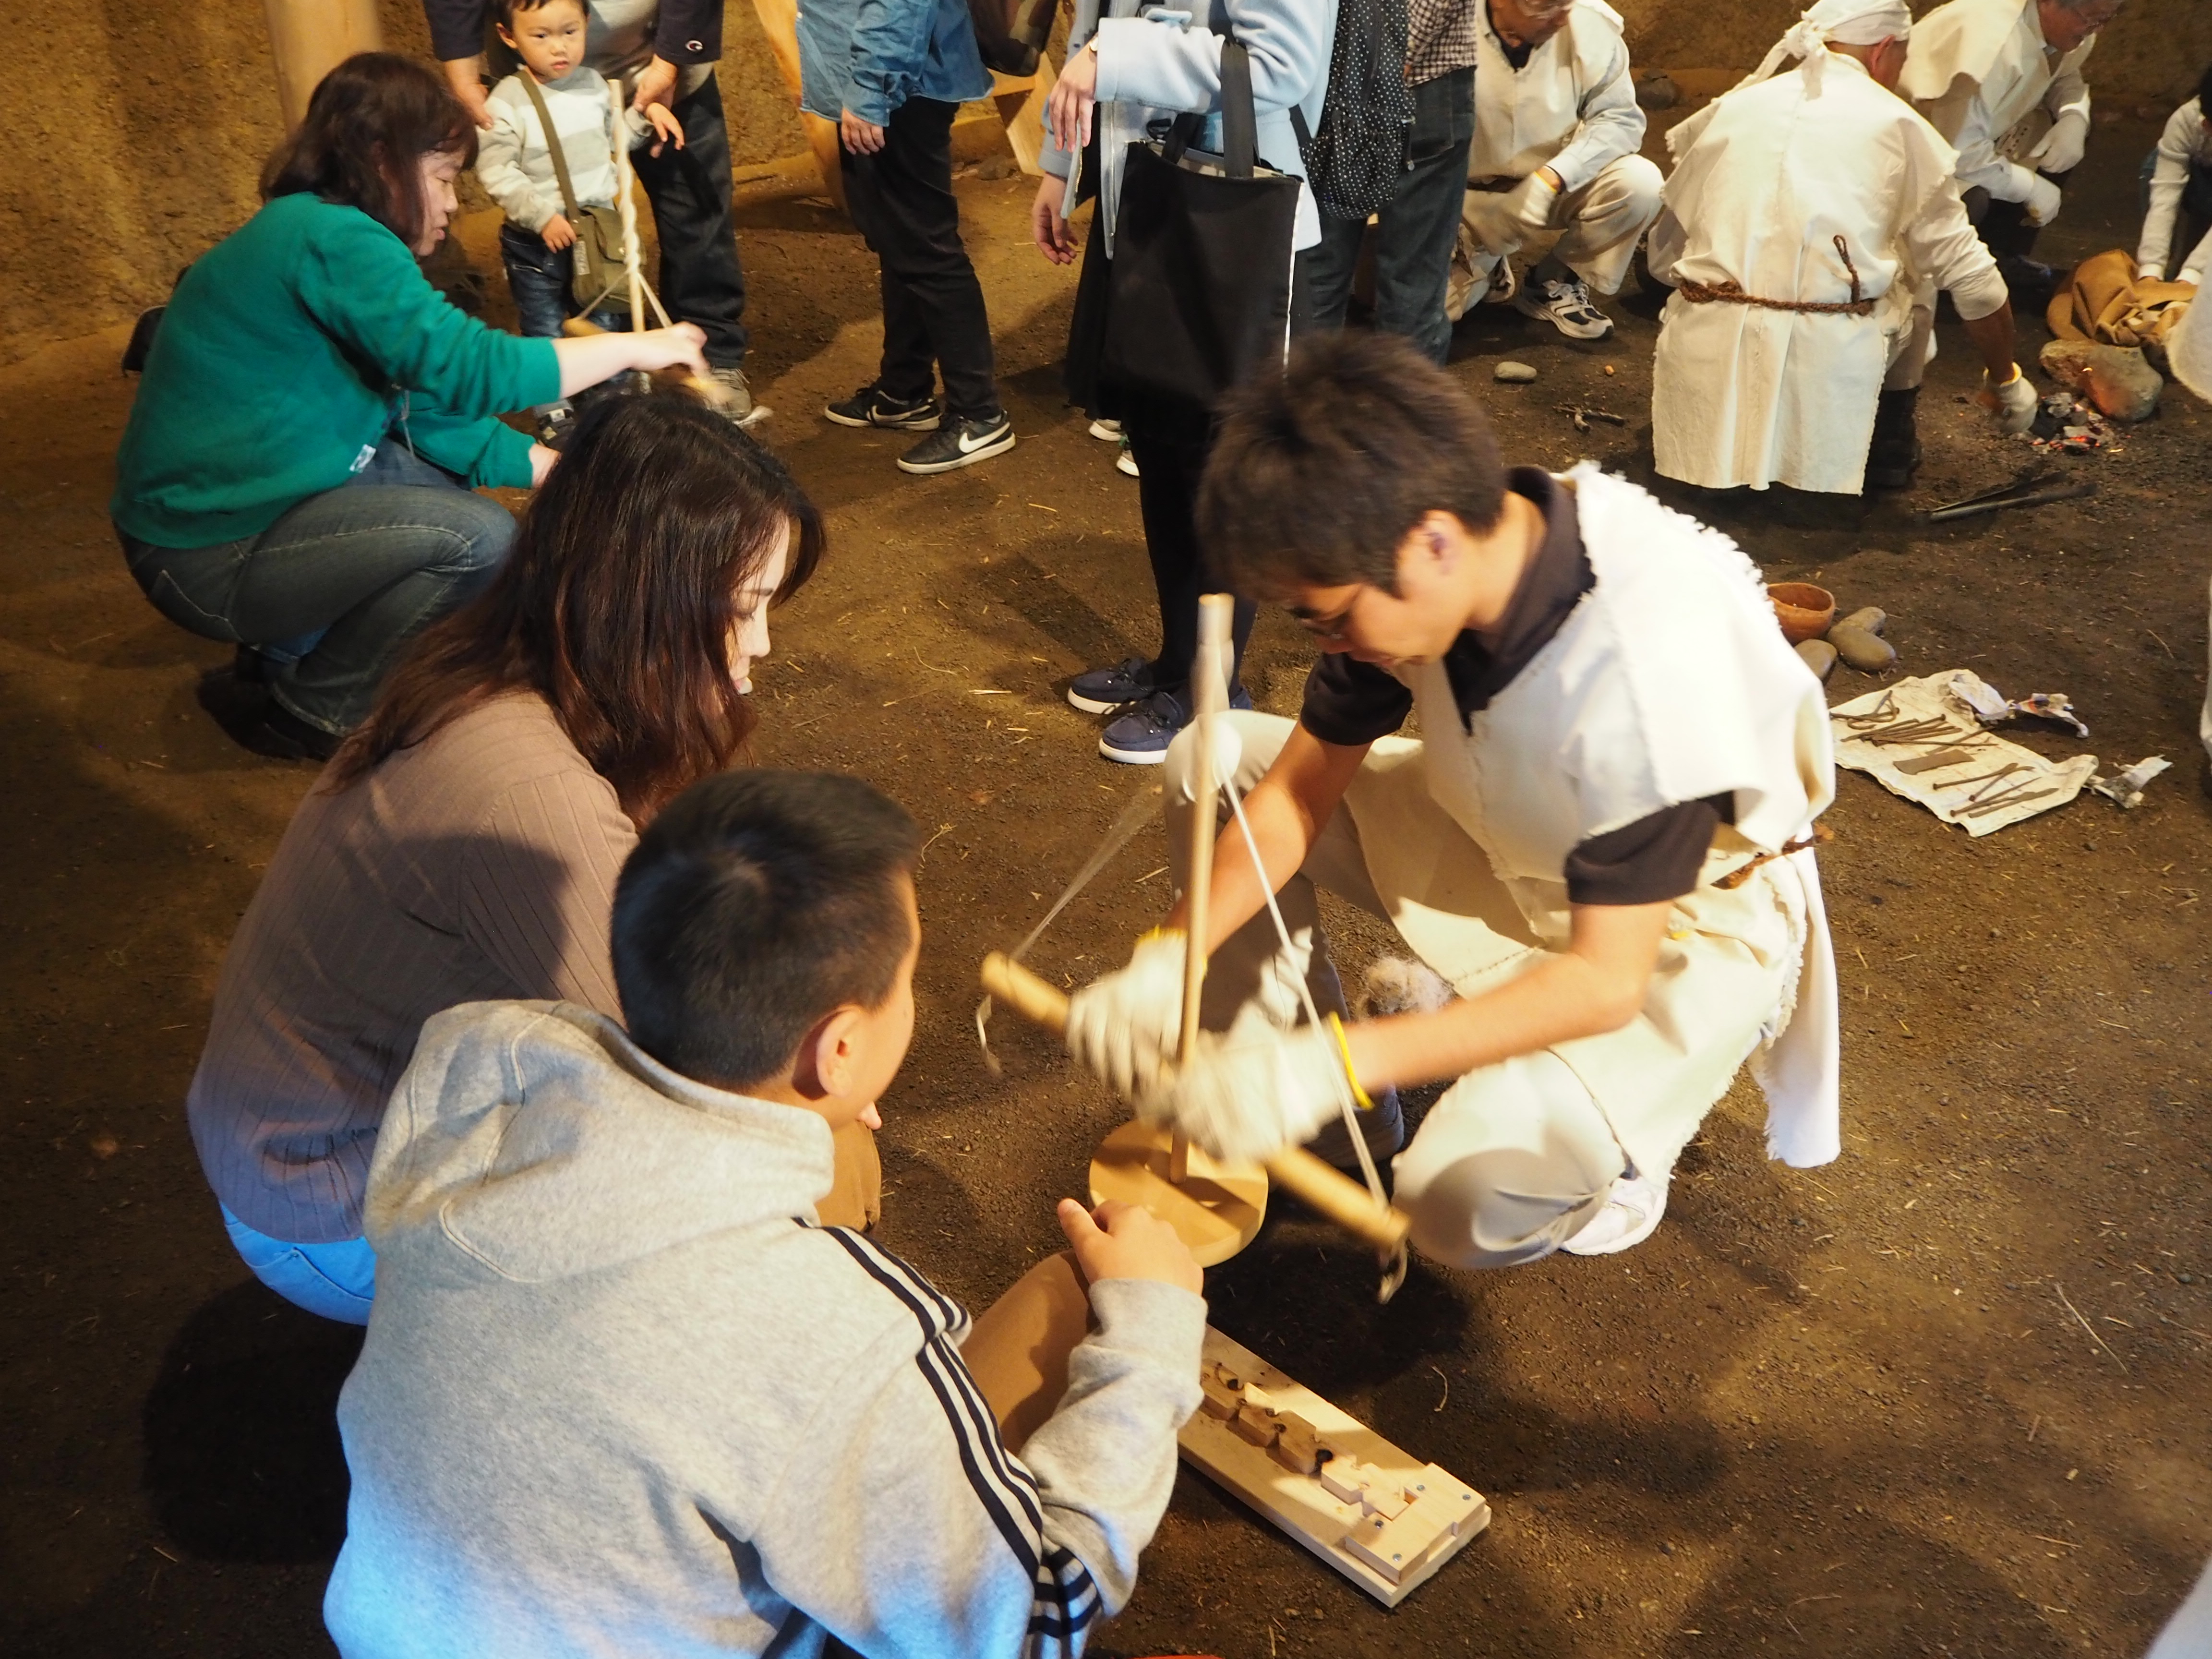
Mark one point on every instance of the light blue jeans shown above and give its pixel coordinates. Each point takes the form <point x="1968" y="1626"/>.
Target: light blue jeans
<point x="337" y="1280"/>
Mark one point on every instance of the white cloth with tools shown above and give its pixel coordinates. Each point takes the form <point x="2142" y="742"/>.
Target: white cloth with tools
<point x="1981" y="73"/>
<point x="1668" y="683"/>
<point x="1769" y="177"/>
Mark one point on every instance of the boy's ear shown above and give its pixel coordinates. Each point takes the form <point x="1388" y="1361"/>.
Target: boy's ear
<point x="827" y="1059"/>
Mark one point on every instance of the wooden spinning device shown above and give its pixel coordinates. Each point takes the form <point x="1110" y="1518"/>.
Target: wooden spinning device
<point x="1216" y="1209"/>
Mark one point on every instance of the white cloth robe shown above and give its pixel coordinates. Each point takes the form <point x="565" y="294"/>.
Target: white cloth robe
<point x="1572" y="107"/>
<point x="1768" y="177"/>
<point x="1977" y="70"/>
<point x="1668" y="683"/>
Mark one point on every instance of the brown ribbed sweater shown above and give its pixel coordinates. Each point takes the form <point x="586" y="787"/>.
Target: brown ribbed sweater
<point x="478" y="865"/>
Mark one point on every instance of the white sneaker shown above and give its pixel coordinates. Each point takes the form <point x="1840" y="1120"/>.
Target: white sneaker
<point x="1107" y="431"/>
<point x="1566" y="307"/>
<point x="1125" y="462"/>
<point x="1631" y="1209"/>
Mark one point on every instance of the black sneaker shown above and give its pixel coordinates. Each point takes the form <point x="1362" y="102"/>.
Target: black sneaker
<point x="960" y="442"/>
<point x="253" y="719"/>
<point x="872" y="406"/>
<point x="1141" y="737"/>
<point x="1103" y="690"/>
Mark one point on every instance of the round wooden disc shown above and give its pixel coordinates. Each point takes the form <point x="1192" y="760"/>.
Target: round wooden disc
<point x="1216" y="1210"/>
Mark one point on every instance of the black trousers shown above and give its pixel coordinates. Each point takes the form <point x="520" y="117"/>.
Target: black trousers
<point x="1170" y="441"/>
<point x="902" y="199"/>
<point x="701" y="280"/>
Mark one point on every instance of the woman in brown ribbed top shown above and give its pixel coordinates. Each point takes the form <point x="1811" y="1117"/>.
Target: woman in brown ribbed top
<point x="464" y="844"/>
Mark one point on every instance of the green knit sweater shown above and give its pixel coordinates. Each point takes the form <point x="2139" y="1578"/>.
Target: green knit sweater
<point x="289" y="349"/>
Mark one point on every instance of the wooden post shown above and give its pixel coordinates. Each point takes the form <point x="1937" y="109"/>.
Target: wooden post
<point x="309" y="38"/>
<point x="1209" y="692"/>
<point x="626" y="200"/>
<point x="779" y="22"/>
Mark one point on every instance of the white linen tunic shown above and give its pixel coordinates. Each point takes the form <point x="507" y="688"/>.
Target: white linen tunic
<point x="1615" y="720"/>
<point x="1770" y="175"/>
<point x="1979" y="69"/>
<point x="1571" y="107"/>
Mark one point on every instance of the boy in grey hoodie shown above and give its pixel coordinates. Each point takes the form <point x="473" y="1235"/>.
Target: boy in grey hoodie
<point x="620" y="1394"/>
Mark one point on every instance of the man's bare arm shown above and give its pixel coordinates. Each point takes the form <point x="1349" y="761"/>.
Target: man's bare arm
<point x="1287" y="808"/>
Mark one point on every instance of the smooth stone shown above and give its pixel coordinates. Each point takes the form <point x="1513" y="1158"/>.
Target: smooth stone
<point x="1872" y="617"/>
<point x="1819" y="655"/>
<point x="2118" y="380"/>
<point x="1513" y="373"/>
<point x="1658" y="90"/>
<point x="1865" y="651"/>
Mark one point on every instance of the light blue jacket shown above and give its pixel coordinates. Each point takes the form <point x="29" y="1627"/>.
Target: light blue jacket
<point x="1155" y="63"/>
<point x="871" y="56"/>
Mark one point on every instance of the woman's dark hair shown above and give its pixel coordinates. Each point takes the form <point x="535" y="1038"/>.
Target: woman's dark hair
<point x="1320" y="471"/>
<point x="369" y="126"/>
<point x="757" y="903"/>
<point x="617" y="602"/>
<point x="2204" y="96"/>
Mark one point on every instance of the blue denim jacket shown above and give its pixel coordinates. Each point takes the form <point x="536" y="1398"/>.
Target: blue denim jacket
<point x="871" y="56"/>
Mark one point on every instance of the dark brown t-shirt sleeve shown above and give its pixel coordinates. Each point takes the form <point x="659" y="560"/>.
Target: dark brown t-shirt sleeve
<point x="1648" y="861"/>
<point x="1352" y="702"/>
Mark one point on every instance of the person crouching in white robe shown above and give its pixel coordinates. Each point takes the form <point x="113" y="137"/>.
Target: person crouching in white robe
<point x="1601" y="840"/>
<point x="1810" y="223"/>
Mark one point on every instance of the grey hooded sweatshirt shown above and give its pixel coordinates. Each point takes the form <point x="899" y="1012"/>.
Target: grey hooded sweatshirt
<point x="622" y="1395"/>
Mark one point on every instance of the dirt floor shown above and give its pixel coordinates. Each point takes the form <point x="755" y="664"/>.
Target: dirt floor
<point x="1947" y="1395"/>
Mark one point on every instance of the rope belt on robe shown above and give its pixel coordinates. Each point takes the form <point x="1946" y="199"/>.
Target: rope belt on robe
<point x="1731" y="293"/>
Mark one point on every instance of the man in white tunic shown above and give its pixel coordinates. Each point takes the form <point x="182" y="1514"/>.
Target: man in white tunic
<point x="1601" y="840"/>
<point x="2001" y="80"/>
<point x="1557" y="131"/>
<point x="1810" y="223"/>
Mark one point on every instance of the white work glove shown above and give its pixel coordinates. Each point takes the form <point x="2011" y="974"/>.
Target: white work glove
<point x="1531" y="202"/>
<point x="2043" y="200"/>
<point x="2152" y="273"/>
<point x="2062" y="146"/>
<point x="1127" y="1025"/>
<point x="2014" y="402"/>
<point x="1247" y="1095"/>
<point x="2194" y="278"/>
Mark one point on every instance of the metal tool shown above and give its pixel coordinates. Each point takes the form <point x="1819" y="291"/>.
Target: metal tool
<point x="2028" y="489"/>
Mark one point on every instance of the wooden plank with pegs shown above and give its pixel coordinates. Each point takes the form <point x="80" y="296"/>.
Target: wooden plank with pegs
<point x="1382" y="1518"/>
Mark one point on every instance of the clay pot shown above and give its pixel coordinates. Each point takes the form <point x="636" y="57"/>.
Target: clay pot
<point x="1806" y="612"/>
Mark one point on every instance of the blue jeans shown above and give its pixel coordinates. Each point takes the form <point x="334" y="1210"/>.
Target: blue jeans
<point x="539" y="279"/>
<point x="338" y="1281"/>
<point x="370" y="563"/>
<point x="1415" y="229"/>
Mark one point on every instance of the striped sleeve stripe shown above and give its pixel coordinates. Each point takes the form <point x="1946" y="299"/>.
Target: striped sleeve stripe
<point x="1065" y="1600"/>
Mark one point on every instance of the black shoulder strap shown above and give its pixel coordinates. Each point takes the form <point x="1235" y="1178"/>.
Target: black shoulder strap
<point x="553" y="139"/>
<point x="1239" y="125"/>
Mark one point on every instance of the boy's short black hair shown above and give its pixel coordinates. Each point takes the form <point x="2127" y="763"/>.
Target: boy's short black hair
<point x="1319" y="473"/>
<point x="756" y="904"/>
<point x="504" y="10"/>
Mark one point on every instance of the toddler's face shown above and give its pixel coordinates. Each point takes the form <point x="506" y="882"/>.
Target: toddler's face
<point x="550" y="39"/>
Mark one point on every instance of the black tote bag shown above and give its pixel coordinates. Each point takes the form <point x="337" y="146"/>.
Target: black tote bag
<point x="1198" y="287"/>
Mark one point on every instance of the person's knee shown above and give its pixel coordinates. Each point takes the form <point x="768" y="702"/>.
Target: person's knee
<point x="1259" y="738"/>
<point x="1634" y="184"/>
<point x="1501" y="1208"/>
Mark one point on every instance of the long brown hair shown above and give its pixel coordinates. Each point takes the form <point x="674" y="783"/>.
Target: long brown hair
<point x="369" y="123"/>
<point x="617" y="602"/>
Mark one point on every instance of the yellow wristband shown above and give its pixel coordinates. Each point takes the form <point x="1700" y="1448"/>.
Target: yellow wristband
<point x="1344" y="1053"/>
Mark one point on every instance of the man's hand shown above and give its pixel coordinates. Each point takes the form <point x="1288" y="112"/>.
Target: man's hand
<point x="1054" y="238"/>
<point x="1248" y="1094"/>
<point x="861" y="137"/>
<point x="1531" y="201"/>
<point x="2062" y="148"/>
<point x="664" y="124"/>
<point x="2013" y="401"/>
<point x="1127" y="1025"/>
<point x="465" y="76"/>
<point x="1126" y="1240"/>
<point x="653" y="84"/>
<point x="1074" y="96"/>
<point x="559" y="232"/>
<point x="2043" y="200"/>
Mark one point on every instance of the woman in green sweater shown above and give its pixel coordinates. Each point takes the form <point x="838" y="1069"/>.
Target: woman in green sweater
<point x="297" y="475"/>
